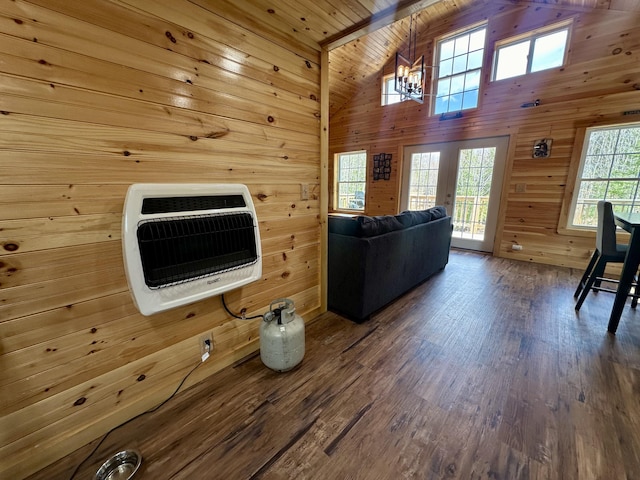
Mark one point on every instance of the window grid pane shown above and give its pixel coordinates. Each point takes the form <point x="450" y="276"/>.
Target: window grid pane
<point x="352" y="176"/>
<point x="610" y="171"/>
<point x="460" y="62"/>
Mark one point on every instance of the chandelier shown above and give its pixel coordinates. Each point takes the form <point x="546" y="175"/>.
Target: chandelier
<point x="409" y="72"/>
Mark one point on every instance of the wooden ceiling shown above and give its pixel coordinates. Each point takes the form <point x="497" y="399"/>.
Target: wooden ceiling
<point x="362" y="35"/>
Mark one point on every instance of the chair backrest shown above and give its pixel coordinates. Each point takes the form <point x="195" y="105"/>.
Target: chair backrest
<point x="606" y="232"/>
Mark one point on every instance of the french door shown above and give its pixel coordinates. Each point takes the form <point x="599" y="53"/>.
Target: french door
<point x="464" y="176"/>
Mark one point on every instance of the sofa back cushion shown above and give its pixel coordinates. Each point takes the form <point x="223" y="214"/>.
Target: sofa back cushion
<point x="364" y="226"/>
<point x="372" y="226"/>
<point x="343" y="225"/>
<point x="415" y="217"/>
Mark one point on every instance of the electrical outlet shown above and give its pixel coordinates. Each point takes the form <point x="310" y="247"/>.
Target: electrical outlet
<point x="206" y="346"/>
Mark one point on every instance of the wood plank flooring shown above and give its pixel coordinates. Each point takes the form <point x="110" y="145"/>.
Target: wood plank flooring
<point x="485" y="371"/>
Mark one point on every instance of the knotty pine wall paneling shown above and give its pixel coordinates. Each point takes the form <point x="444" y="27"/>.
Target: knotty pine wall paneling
<point x="597" y="85"/>
<point x="97" y="95"/>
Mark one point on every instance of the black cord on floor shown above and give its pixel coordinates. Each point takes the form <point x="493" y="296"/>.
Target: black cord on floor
<point x="132" y="419"/>
<point x="241" y="317"/>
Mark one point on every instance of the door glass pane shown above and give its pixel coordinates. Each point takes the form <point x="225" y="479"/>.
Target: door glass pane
<point x="423" y="180"/>
<point x="473" y="185"/>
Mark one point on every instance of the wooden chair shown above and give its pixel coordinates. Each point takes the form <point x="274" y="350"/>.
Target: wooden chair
<point x="607" y="251"/>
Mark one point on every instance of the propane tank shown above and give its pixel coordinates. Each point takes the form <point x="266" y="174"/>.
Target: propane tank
<point x="282" y="336"/>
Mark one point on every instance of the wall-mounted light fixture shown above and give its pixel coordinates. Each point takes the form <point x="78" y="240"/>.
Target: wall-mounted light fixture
<point x="542" y="148"/>
<point x="535" y="103"/>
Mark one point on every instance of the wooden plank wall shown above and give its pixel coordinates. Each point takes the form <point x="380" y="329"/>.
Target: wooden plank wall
<point x="97" y="95"/>
<point x="598" y="84"/>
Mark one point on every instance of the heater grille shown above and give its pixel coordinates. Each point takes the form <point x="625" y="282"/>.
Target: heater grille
<point x="179" y="249"/>
<point x="185" y="204"/>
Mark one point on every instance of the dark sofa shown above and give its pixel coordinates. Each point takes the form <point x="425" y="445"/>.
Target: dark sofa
<point x="373" y="260"/>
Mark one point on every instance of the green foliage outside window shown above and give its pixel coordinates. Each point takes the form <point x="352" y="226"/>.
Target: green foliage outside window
<point x="351" y="180"/>
<point x="610" y="171"/>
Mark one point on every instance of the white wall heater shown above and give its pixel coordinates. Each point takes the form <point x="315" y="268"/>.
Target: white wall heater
<point x="185" y="242"/>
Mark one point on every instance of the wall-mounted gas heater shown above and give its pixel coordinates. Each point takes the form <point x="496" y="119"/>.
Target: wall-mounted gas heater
<point x="185" y="242"/>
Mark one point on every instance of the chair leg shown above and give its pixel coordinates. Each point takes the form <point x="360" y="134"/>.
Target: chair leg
<point x="586" y="274"/>
<point x="598" y="282"/>
<point x="597" y="272"/>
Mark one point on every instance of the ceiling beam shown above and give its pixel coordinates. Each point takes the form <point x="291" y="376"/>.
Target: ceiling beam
<point x="402" y="9"/>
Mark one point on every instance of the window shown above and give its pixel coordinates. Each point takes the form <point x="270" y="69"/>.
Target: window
<point x="459" y="60"/>
<point x="351" y="177"/>
<point x="609" y="170"/>
<point x="533" y="52"/>
<point x="389" y="95"/>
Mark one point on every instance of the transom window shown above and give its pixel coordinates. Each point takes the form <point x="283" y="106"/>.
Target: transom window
<point x="389" y="95"/>
<point x="535" y="51"/>
<point x="459" y="60"/>
<point x="609" y="170"/>
<point x="351" y="178"/>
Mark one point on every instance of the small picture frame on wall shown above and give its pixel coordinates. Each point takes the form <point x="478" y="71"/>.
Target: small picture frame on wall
<point x="376" y="167"/>
<point x="387" y="166"/>
<point x="382" y="166"/>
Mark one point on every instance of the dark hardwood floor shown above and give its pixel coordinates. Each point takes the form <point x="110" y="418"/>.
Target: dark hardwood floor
<point x="483" y="372"/>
